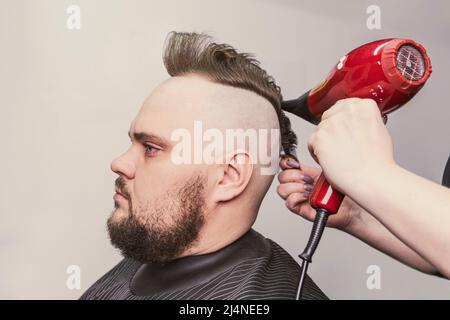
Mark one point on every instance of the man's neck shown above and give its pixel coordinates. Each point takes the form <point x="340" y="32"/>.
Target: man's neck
<point x="221" y="229"/>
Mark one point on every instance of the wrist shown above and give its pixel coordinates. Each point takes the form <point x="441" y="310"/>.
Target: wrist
<point x="365" y="178"/>
<point x="356" y="222"/>
<point x="361" y="225"/>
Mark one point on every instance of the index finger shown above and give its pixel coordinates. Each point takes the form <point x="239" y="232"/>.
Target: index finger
<point x="337" y="107"/>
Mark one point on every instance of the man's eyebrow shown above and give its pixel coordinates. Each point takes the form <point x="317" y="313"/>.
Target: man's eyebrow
<point x="149" y="137"/>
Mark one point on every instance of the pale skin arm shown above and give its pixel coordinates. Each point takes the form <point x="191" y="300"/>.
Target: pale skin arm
<point x="375" y="234"/>
<point x="351" y="218"/>
<point x="413" y="209"/>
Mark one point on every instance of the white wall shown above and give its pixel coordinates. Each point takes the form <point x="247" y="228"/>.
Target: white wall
<point x="68" y="97"/>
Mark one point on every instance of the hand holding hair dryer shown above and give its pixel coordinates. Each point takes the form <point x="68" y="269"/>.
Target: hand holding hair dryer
<point x="389" y="71"/>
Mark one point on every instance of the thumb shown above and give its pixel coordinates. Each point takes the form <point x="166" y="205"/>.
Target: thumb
<point x="311" y="147"/>
<point x="306" y="211"/>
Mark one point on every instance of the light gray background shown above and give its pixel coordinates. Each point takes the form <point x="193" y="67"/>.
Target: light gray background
<point x="68" y="97"/>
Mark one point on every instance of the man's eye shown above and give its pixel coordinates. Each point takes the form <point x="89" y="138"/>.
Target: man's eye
<point x="150" y="150"/>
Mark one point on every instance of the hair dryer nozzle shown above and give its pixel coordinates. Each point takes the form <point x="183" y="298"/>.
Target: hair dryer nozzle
<point x="300" y="108"/>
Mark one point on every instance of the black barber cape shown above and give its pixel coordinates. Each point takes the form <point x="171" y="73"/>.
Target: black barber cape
<point x="252" y="267"/>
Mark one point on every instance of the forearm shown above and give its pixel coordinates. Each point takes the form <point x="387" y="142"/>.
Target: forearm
<point x="401" y="201"/>
<point x="371" y="231"/>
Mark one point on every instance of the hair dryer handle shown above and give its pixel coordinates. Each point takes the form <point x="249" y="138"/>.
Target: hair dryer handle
<point x="325" y="197"/>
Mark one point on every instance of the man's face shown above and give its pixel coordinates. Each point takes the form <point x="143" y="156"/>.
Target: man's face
<point x="161" y="212"/>
<point x="168" y="206"/>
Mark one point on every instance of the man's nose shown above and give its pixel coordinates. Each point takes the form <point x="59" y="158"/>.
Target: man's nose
<point x="124" y="165"/>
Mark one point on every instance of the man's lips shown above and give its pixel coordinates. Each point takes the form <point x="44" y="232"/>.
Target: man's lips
<point x="119" y="194"/>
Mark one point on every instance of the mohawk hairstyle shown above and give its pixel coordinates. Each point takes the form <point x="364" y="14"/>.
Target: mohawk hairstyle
<point x="197" y="53"/>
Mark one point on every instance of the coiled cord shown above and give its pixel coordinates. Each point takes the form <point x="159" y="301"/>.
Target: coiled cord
<point x="320" y="222"/>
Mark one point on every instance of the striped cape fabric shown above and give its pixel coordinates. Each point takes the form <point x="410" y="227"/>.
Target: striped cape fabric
<point x="269" y="277"/>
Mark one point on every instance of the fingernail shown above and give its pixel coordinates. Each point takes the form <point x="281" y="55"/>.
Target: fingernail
<point x="308" y="187"/>
<point x="292" y="163"/>
<point x="308" y="179"/>
<point x="306" y="194"/>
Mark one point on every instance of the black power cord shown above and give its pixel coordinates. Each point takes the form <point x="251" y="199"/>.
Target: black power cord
<point x="320" y="222"/>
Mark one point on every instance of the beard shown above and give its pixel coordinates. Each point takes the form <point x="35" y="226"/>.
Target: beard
<point x="144" y="233"/>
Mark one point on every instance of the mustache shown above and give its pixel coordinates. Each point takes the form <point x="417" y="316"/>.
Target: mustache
<point x="120" y="184"/>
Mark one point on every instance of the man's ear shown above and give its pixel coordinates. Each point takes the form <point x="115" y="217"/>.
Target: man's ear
<point x="234" y="176"/>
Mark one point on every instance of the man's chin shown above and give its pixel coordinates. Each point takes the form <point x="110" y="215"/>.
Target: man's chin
<point x="118" y="214"/>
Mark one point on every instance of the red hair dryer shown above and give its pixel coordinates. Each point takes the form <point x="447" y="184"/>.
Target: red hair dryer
<point x="389" y="71"/>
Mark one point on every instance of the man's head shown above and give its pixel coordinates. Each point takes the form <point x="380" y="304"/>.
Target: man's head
<point x="176" y="208"/>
